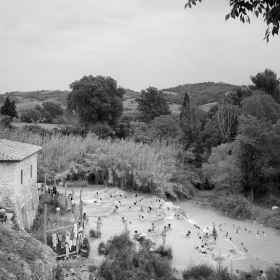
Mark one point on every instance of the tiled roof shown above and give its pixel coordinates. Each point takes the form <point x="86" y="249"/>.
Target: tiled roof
<point x="16" y="151"/>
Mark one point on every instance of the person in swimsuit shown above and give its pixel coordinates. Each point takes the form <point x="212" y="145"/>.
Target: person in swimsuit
<point x="163" y="234"/>
<point x="98" y="226"/>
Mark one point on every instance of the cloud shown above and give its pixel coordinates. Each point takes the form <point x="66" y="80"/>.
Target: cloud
<point x="140" y="43"/>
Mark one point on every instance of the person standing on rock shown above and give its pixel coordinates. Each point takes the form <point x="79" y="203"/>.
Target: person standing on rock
<point x="2" y="215"/>
<point x="73" y="204"/>
<point x="163" y="234"/>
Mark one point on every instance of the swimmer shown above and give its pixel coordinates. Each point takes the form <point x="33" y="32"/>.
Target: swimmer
<point x="123" y="220"/>
<point x="136" y="235"/>
<point x="202" y="250"/>
<point x="214" y="232"/>
<point x="129" y="207"/>
<point x="150" y="209"/>
<point x="169" y="227"/>
<point x="116" y="209"/>
<point x="141" y="210"/>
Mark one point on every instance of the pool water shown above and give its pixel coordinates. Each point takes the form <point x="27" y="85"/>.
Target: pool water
<point x="260" y="250"/>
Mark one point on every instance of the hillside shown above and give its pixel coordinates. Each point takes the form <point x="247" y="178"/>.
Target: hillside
<point x="24" y="257"/>
<point x="30" y="99"/>
<point x="200" y="93"/>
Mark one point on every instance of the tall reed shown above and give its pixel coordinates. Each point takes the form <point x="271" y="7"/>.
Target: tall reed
<point x="150" y="165"/>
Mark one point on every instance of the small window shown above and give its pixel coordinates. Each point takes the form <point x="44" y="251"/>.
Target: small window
<point x="31" y="171"/>
<point x="21" y="176"/>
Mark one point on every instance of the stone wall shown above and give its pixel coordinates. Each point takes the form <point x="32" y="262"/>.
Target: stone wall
<point x="23" y="196"/>
<point x="7" y="182"/>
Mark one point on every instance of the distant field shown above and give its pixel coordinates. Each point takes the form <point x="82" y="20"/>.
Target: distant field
<point x="170" y="92"/>
<point x="206" y="107"/>
<point x="27" y="105"/>
<point x="175" y="109"/>
<point x="43" y="125"/>
<point x="31" y="103"/>
<point x="128" y="104"/>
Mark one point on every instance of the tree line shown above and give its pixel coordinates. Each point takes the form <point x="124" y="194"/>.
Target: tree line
<point x="234" y="146"/>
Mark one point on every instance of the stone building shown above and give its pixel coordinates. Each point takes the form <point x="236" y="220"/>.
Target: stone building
<point x="18" y="181"/>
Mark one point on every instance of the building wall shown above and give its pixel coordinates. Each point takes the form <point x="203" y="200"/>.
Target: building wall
<point x="23" y="195"/>
<point x="7" y="182"/>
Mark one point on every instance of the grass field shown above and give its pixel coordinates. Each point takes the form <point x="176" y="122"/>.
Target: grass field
<point x="206" y="107"/>
<point x="31" y="103"/>
<point x="48" y="126"/>
<point x="170" y="92"/>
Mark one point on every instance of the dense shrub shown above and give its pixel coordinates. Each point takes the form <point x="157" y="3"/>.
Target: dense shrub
<point x="125" y="164"/>
<point x="238" y="207"/>
<point x="198" y="272"/>
<point x="165" y="252"/>
<point x="85" y="248"/>
<point x="124" y="262"/>
<point x="38" y="223"/>
<point x="102" y="248"/>
<point x="234" y="206"/>
<point x="93" y="233"/>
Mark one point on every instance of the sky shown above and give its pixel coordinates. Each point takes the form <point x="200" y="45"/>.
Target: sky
<point x="47" y="45"/>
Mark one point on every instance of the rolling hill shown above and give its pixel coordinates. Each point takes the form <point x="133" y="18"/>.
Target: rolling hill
<point x="200" y="93"/>
<point x="205" y="94"/>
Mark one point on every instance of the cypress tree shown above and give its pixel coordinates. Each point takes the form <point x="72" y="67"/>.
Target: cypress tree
<point x="9" y="108"/>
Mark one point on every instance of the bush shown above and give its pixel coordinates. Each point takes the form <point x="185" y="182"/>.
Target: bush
<point x="30" y="116"/>
<point x="117" y="242"/>
<point x="198" y="272"/>
<point x="92" y="268"/>
<point x="38" y="223"/>
<point x="85" y="248"/>
<point x="164" y="252"/>
<point x="102" y="248"/>
<point x="234" y="206"/>
<point x="123" y="262"/>
<point x="93" y="233"/>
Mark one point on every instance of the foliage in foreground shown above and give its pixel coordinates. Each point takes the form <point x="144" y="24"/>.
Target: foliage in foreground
<point x="123" y="262"/>
<point x="37" y="228"/>
<point x="241" y="9"/>
<point x="205" y="272"/>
